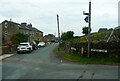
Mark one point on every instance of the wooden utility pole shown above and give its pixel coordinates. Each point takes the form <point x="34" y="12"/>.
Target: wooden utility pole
<point x="88" y="20"/>
<point x="58" y="29"/>
<point x="89" y="30"/>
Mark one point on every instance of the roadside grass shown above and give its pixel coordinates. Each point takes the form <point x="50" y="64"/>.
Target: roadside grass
<point x="91" y="60"/>
<point x="58" y="49"/>
<point x="85" y="59"/>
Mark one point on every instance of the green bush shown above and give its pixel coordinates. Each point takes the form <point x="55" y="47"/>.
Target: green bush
<point x="19" y="37"/>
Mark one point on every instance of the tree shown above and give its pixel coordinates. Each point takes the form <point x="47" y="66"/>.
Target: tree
<point x="19" y="37"/>
<point x="64" y="36"/>
<point x="67" y="35"/>
<point x="37" y="41"/>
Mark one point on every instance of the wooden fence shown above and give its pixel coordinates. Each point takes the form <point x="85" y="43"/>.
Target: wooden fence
<point x="102" y="48"/>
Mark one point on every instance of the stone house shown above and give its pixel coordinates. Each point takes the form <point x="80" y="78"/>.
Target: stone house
<point x="10" y="28"/>
<point x="48" y="38"/>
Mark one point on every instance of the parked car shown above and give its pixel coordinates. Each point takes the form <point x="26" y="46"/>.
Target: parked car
<point x="34" y="45"/>
<point x="41" y="44"/>
<point x="24" y="47"/>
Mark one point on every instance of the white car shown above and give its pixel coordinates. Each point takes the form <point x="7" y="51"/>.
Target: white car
<point x="41" y="44"/>
<point x="24" y="47"/>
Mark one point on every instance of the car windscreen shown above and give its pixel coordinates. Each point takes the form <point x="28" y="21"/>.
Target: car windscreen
<point x="23" y="44"/>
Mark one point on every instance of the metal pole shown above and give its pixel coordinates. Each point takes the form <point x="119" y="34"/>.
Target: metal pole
<point x="89" y="29"/>
<point x="58" y="29"/>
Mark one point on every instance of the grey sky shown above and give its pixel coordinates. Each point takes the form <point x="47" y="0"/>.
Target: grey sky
<point x="42" y="14"/>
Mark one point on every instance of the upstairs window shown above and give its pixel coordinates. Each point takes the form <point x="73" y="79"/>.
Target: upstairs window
<point x="6" y="33"/>
<point x="6" y="24"/>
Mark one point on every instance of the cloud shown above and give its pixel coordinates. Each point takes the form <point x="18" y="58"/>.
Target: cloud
<point x="42" y="13"/>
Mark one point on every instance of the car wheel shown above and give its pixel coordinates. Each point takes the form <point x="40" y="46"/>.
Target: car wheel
<point x="18" y="52"/>
<point x="30" y="51"/>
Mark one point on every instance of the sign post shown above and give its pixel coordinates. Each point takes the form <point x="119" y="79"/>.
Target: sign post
<point x="88" y="20"/>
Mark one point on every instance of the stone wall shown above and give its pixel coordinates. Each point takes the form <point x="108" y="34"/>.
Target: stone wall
<point x="9" y="50"/>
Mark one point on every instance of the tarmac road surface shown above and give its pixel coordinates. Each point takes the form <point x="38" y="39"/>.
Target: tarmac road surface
<point x="43" y="64"/>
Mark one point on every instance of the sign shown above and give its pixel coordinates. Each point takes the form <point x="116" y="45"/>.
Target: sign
<point x="99" y="50"/>
<point x="86" y="19"/>
<point x="85" y="13"/>
<point x="72" y="48"/>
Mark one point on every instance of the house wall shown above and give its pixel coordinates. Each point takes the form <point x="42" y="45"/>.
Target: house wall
<point x="9" y="28"/>
<point x="38" y="35"/>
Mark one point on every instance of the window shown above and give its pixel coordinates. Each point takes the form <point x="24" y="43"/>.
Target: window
<point x="6" y="33"/>
<point x="6" y="24"/>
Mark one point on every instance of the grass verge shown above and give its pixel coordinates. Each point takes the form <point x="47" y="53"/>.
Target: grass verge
<point x="92" y="60"/>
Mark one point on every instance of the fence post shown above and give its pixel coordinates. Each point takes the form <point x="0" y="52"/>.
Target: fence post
<point x="82" y="49"/>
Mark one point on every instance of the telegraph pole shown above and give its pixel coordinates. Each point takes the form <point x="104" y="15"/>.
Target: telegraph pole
<point x="89" y="30"/>
<point x="58" y="29"/>
<point x="89" y="27"/>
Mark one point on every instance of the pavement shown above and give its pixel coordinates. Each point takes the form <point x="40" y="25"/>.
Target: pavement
<point x="5" y="56"/>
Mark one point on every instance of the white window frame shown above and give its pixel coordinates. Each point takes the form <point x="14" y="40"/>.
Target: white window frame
<point x="6" y="25"/>
<point x="6" y="33"/>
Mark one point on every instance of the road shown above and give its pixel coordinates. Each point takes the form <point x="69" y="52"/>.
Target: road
<point x="42" y="64"/>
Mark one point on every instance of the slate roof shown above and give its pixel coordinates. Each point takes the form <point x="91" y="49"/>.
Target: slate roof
<point x="24" y="27"/>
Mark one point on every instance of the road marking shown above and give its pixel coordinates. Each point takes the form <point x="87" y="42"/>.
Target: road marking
<point x="37" y="68"/>
<point x="80" y="77"/>
<point x="92" y="76"/>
